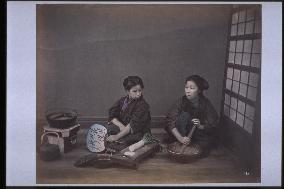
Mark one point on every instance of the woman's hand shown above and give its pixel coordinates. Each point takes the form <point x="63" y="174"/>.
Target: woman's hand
<point x="112" y="138"/>
<point x="179" y="137"/>
<point x="184" y="140"/>
<point x="197" y="123"/>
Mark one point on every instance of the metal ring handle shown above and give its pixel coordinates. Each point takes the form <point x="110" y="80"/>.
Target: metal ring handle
<point x="46" y="133"/>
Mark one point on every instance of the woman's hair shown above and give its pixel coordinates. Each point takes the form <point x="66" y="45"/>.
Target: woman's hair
<point x="201" y="83"/>
<point x="132" y="81"/>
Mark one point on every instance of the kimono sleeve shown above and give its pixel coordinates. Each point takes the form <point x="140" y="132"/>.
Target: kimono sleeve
<point x="140" y="118"/>
<point x="114" y="110"/>
<point x="172" y="115"/>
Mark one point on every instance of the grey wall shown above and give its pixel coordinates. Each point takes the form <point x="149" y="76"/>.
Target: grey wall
<point x="85" y="51"/>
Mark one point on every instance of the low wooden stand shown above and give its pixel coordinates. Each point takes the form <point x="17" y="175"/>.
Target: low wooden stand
<point x="67" y="139"/>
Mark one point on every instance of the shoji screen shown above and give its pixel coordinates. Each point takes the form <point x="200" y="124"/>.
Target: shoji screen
<point x="241" y="92"/>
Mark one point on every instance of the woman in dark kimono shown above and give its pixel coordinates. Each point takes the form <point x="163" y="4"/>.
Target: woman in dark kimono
<point x="129" y="120"/>
<point x="193" y="108"/>
<point x="129" y="117"/>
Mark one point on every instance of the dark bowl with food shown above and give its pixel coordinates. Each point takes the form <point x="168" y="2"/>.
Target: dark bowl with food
<point x="61" y="118"/>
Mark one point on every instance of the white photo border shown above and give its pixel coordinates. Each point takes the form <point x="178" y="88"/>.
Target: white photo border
<point x="21" y="93"/>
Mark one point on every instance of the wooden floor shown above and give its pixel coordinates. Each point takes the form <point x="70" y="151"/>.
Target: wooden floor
<point x="219" y="167"/>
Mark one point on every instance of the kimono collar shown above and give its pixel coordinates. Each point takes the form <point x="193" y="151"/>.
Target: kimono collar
<point x="191" y="107"/>
<point x="193" y="103"/>
<point x="127" y="101"/>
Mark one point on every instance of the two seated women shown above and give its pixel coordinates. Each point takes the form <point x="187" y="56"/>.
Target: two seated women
<point x="130" y="119"/>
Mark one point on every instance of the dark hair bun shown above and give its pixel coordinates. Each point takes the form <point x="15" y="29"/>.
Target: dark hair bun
<point x="201" y="83"/>
<point x="132" y="81"/>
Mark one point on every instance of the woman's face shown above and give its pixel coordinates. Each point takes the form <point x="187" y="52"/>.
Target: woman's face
<point x="191" y="90"/>
<point x="135" y="92"/>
